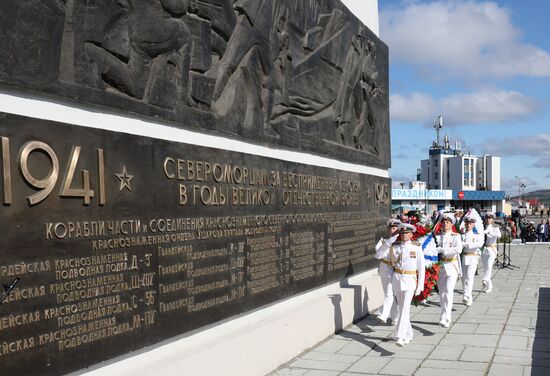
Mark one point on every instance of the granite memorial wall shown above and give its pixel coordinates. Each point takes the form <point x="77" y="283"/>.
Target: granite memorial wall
<point x="303" y="74"/>
<point x="121" y="241"/>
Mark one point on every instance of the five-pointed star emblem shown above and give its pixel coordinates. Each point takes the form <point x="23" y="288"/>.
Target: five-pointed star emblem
<point x="124" y="179"/>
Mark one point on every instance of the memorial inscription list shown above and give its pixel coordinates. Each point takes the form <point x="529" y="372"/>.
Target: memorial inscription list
<point x="121" y="241"/>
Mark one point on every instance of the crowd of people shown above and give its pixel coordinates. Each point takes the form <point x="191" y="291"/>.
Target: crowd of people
<point x="422" y="252"/>
<point x="529" y="232"/>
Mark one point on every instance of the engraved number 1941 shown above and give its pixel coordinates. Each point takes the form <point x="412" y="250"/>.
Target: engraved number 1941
<point x="46" y="185"/>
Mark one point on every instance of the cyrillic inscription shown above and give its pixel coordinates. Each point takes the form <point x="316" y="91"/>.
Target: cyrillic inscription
<point x="194" y="236"/>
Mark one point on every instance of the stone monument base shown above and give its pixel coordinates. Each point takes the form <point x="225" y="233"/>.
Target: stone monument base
<point x="258" y="342"/>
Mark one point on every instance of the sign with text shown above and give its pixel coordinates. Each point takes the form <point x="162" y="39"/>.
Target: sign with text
<point x="421" y="194"/>
<point x="122" y="241"/>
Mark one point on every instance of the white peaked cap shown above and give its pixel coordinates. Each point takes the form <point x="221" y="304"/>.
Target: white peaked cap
<point x="450" y="217"/>
<point x="407" y="227"/>
<point x="469" y="218"/>
<point x="393" y="222"/>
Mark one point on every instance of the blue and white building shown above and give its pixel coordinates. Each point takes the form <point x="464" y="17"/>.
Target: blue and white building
<point x="452" y="178"/>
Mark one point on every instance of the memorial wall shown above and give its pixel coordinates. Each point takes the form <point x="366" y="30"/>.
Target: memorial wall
<point x="120" y="241"/>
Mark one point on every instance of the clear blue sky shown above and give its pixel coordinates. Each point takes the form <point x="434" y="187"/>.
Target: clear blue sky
<point x="484" y="66"/>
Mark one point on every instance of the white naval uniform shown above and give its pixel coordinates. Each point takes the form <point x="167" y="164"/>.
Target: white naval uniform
<point x="450" y="247"/>
<point x="408" y="277"/>
<point x="471" y="243"/>
<point x="385" y="270"/>
<point x="490" y="254"/>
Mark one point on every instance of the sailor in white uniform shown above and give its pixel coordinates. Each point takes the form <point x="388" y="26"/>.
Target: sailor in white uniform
<point x="385" y="270"/>
<point x="449" y="249"/>
<point x="408" y="279"/>
<point x="472" y="241"/>
<point x="492" y="234"/>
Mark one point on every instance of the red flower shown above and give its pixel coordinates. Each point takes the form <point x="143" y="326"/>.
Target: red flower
<point x="430" y="280"/>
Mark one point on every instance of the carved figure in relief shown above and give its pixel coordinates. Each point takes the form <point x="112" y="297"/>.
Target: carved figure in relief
<point x="263" y="68"/>
<point x="355" y="115"/>
<point x="247" y="65"/>
<point x="275" y="66"/>
<point x="145" y="46"/>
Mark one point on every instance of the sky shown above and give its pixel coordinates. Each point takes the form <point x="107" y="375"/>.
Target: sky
<point x="485" y="67"/>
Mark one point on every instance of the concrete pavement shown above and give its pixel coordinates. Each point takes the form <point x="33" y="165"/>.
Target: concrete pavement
<point x="506" y="332"/>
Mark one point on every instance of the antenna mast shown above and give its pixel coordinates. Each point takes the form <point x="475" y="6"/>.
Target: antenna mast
<point x="438" y="124"/>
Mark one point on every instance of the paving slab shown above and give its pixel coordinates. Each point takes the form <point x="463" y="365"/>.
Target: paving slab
<point x="402" y="367"/>
<point x="477" y="354"/>
<point x="369" y="365"/>
<point x="319" y="364"/>
<point x="506" y="332"/>
<point x="442" y="352"/>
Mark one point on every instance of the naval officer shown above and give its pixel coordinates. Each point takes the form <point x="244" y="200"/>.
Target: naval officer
<point x="385" y="270"/>
<point x="492" y="234"/>
<point x="471" y="244"/>
<point x="408" y="279"/>
<point x="449" y="247"/>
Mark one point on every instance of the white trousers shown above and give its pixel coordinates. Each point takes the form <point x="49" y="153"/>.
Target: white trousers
<point x="389" y="309"/>
<point x="446" y="285"/>
<point x="488" y="259"/>
<point x="403" y="329"/>
<point x="468" y="275"/>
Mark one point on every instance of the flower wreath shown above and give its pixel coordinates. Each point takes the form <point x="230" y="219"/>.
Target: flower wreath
<point x="430" y="281"/>
<point x="431" y="275"/>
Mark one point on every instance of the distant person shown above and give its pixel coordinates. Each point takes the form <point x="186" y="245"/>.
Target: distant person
<point x="513" y="229"/>
<point x="530" y="232"/>
<point x="434" y="215"/>
<point x="449" y="247"/>
<point x="523" y="230"/>
<point x="408" y="279"/>
<point x="385" y="270"/>
<point x="492" y="234"/>
<point x="541" y="230"/>
<point x="471" y="244"/>
<point x="547" y="230"/>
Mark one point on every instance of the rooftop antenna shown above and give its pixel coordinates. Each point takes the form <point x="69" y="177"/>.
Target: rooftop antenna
<point x="438" y="124"/>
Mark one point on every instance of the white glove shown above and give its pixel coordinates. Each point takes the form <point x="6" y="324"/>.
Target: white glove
<point x="417" y="292"/>
<point x="439" y="250"/>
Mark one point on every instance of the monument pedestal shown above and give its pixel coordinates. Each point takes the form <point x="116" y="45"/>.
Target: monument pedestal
<point x="258" y="342"/>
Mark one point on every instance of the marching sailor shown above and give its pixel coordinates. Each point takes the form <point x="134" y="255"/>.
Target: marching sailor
<point x="385" y="270"/>
<point x="492" y="234"/>
<point x="449" y="249"/>
<point x="472" y="241"/>
<point x="408" y="279"/>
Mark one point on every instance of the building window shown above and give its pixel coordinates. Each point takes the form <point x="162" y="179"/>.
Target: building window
<point x="436" y="175"/>
<point x="436" y="163"/>
<point x="472" y="172"/>
<point x="466" y="171"/>
<point x="448" y="173"/>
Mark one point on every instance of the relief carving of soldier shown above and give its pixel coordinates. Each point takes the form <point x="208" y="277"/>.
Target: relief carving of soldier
<point x="355" y="115"/>
<point x="293" y="70"/>
<point x="144" y="46"/>
<point x="244" y="88"/>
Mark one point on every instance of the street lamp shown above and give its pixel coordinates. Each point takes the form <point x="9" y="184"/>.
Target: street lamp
<point x="519" y="188"/>
<point x="523" y="186"/>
